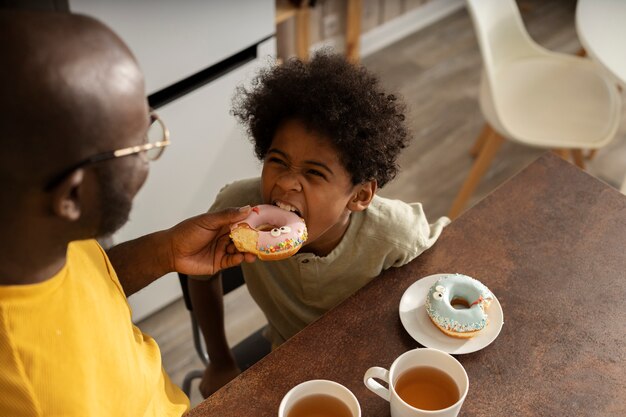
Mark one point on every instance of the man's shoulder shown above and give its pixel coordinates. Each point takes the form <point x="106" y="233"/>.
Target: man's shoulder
<point x="238" y="193"/>
<point x="84" y="249"/>
<point x="87" y="256"/>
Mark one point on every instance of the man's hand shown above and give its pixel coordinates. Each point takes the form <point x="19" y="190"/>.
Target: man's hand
<point x="196" y="246"/>
<point x="215" y="377"/>
<point x="201" y="245"/>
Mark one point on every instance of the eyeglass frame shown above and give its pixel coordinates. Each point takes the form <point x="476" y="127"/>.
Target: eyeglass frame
<point x="131" y="150"/>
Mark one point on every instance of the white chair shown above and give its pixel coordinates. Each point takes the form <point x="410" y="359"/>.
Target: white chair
<point x="534" y="96"/>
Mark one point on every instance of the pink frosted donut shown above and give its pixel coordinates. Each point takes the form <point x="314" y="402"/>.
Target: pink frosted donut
<point x="269" y="232"/>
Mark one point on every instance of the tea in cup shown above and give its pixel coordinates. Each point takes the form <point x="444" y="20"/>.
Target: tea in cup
<point x="422" y="382"/>
<point x="319" y="397"/>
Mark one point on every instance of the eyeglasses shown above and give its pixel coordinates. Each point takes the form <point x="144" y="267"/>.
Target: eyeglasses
<point x="157" y="138"/>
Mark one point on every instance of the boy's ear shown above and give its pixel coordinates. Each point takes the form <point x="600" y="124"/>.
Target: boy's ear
<point x="66" y="196"/>
<point x="363" y="195"/>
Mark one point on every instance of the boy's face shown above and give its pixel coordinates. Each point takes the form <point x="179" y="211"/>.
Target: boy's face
<point x="302" y="172"/>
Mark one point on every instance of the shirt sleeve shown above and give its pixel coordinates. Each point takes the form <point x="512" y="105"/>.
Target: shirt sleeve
<point x="411" y="233"/>
<point x="238" y="194"/>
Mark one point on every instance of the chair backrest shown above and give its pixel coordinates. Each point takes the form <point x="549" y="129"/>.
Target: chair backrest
<point x="232" y="278"/>
<point x="246" y="353"/>
<point x="501" y="34"/>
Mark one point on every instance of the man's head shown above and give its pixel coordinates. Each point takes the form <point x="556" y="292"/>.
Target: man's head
<point x="70" y="90"/>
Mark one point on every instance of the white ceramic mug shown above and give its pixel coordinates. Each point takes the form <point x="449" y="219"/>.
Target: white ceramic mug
<point x="319" y="386"/>
<point x="411" y="359"/>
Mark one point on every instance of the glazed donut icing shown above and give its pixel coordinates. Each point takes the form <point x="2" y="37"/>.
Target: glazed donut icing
<point x="272" y="233"/>
<point x="462" y="290"/>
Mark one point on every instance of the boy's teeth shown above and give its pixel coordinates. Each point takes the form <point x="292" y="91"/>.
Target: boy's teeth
<point x="285" y="206"/>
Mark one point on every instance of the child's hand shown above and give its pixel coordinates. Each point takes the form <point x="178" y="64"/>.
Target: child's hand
<point x="215" y="377"/>
<point x="201" y="246"/>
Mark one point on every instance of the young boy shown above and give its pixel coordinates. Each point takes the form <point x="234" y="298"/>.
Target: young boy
<point x="329" y="137"/>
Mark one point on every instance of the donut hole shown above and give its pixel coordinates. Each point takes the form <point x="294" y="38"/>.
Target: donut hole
<point x="459" y="303"/>
<point x="266" y="227"/>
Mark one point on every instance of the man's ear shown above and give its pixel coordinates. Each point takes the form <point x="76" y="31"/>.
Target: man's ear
<point x="66" y="196"/>
<point x="363" y="195"/>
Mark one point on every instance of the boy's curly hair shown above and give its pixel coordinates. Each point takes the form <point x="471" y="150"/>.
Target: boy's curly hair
<point x="332" y="97"/>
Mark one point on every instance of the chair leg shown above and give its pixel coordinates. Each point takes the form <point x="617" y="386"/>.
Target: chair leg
<point x="591" y="154"/>
<point x="563" y="153"/>
<point x="488" y="151"/>
<point x="480" y="140"/>
<point x="302" y="32"/>
<point x="579" y="160"/>
<point x="191" y="375"/>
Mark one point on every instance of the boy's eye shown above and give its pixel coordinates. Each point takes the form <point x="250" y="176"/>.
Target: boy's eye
<point x="276" y="160"/>
<point x="316" y="173"/>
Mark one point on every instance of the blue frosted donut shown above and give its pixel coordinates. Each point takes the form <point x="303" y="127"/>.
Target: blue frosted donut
<point x="470" y="294"/>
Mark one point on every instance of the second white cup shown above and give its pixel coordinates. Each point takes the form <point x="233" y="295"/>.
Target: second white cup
<point x="418" y="358"/>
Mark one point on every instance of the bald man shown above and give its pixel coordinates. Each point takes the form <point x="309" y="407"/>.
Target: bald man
<point x="71" y="95"/>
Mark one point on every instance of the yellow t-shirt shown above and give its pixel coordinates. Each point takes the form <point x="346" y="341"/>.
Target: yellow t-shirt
<point x="68" y="347"/>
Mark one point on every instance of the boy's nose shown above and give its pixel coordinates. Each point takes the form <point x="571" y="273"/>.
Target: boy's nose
<point x="289" y="182"/>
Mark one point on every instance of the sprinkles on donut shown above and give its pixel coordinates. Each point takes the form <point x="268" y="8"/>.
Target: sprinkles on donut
<point x="456" y="304"/>
<point x="269" y="232"/>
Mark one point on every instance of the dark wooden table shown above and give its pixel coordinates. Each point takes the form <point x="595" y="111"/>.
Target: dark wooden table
<point x="551" y="244"/>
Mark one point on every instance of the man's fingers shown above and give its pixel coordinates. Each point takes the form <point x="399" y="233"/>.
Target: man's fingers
<point x="223" y="244"/>
<point x="228" y="261"/>
<point x="231" y="249"/>
<point x="229" y="255"/>
<point x="216" y="220"/>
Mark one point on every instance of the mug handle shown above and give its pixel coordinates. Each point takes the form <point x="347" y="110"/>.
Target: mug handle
<point x="378" y="373"/>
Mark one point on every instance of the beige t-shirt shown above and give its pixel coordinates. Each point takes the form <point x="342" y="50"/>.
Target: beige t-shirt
<point x="296" y="291"/>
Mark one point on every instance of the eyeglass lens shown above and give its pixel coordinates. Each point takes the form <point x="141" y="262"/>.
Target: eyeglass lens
<point x="155" y="134"/>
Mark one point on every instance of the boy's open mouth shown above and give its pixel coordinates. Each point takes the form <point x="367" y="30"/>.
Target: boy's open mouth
<point x="287" y="207"/>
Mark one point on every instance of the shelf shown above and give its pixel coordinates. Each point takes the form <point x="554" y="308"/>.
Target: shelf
<point x="284" y="11"/>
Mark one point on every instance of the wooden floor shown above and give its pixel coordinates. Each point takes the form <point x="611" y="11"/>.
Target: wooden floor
<point x="437" y="71"/>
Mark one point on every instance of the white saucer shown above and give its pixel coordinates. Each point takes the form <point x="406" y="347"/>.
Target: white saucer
<point x="417" y="323"/>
